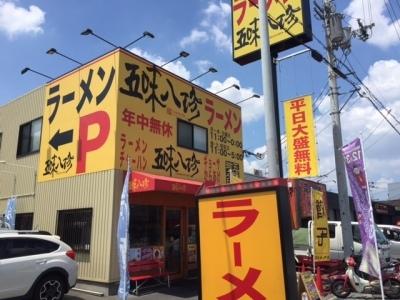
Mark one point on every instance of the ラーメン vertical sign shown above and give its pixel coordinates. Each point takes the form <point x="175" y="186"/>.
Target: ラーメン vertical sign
<point x="301" y="142"/>
<point x="234" y="259"/>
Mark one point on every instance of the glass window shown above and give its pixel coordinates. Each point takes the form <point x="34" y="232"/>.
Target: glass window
<point x="24" y="221"/>
<point x="380" y="237"/>
<point x="29" y="137"/>
<point x="18" y="247"/>
<point x="200" y="138"/>
<point x="192" y="136"/>
<point x="74" y="227"/>
<point x="145" y="225"/>
<point x="356" y="233"/>
<point x="332" y="230"/>
<point x="185" y="135"/>
<point x="35" y="134"/>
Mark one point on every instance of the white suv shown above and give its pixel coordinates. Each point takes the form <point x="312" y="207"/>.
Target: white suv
<point x="35" y="265"/>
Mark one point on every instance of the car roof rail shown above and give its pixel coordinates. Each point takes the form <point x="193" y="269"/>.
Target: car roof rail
<point x="40" y="232"/>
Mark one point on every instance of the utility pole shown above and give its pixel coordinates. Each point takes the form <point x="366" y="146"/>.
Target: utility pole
<point x="337" y="36"/>
<point x="338" y="142"/>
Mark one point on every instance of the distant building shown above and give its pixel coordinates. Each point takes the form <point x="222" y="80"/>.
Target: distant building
<point x="394" y="191"/>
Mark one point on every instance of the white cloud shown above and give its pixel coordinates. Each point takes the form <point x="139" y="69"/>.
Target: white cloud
<point x="384" y="32"/>
<point x="251" y="164"/>
<point x="176" y="67"/>
<point x="196" y="36"/>
<point x="252" y="109"/>
<point x="216" y="14"/>
<point x="16" y="20"/>
<point x="213" y="27"/>
<point x="381" y="84"/>
<point x="221" y="40"/>
<point x="202" y="65"/>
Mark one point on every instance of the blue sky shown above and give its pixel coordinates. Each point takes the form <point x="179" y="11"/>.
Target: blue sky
<point x="202" y="28"/>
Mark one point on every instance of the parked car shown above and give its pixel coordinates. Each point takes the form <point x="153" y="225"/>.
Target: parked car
<point x="35" y="265"/>
<point x="392" y="233"/>
<point x="303" y="241"/>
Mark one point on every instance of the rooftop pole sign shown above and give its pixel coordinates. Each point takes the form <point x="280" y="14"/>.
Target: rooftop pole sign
<point x="289" y="26"/>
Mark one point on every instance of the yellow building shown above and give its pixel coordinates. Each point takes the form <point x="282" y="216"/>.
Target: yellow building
<point x="64" y="150"/>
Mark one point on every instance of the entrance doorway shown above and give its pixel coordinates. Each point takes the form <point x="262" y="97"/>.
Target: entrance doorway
<point x="173" y="240"/>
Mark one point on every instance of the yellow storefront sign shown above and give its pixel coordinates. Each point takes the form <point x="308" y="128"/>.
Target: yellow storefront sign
<point x="122" y="107"/>
<point x="321" y="229"/>
<point x="289" y="26"/>
<point x="240" y="247"/>
<point x="79" y="121"/>
<point x="301" y="141"/>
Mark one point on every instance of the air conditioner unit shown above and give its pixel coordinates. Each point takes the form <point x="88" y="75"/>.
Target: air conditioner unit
<point x="258" y="172"/>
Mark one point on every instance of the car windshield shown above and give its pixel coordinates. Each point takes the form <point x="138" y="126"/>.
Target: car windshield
<point x="380" y="237"/>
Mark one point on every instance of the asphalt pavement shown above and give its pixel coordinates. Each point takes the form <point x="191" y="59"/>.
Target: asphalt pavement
<point x="185" y="290"/>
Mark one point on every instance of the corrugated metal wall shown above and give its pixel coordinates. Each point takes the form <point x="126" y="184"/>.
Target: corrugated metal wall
<point x="12" y="115"/>
<point x="94" y="191"/>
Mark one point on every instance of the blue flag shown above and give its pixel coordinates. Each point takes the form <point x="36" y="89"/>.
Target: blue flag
<point x="123" y="240"/>
<point x="9" y="214"/>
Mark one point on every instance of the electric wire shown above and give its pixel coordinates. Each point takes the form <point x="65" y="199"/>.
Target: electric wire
<point x="363" y="9"/>
<point x="398" y="3"/>
<point x="393" y="18"/>
<point x="372" y="131"/>
<point x="363" y="95"/>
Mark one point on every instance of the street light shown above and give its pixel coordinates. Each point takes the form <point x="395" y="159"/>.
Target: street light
<point x="24" y="70"/>
<point x="253" y="96"/>
<point x="231" y="86"/>
<point x="146" y="33"/>
<point x="54" y="51"/>
<point x="181" y="54"/>
<point x="89" y="31"/>
<point x="210" y="70"/>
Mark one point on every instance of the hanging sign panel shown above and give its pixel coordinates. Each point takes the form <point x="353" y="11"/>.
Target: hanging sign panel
<point x="301" y="141"/>
<point x="289" y="26"/>
<point x="320" y="229"/>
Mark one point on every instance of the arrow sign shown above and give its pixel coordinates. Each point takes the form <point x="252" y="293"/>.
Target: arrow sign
<point x="62" y="138"/>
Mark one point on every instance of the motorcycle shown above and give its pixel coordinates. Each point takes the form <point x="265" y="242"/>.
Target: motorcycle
<point x="344" y="284"/>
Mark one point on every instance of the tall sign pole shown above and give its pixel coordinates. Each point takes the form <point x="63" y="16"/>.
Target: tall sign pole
<point x="274" y="56"/>
<point x="337" y="139"/>
<point x="268" y="90"/>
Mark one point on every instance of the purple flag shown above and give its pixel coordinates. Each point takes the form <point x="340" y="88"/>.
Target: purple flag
<point x="354" y="160"/>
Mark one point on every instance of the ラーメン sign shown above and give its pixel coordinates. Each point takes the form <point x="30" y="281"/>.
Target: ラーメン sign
<point x="289" y="26"/>
<point x="301" y="141"/>
<point x="121" y="106"/>
<point x="243" y="249"/>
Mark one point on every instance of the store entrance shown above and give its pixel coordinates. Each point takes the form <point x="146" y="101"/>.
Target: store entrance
<point x="173" y="240"/>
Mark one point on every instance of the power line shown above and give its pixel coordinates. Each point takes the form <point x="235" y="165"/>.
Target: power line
<point x="392" y="17"/>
